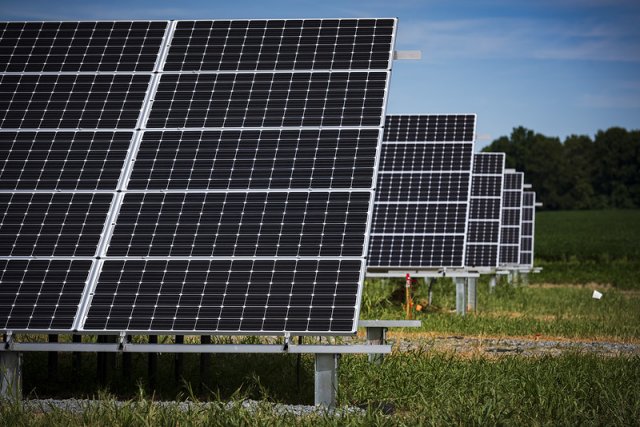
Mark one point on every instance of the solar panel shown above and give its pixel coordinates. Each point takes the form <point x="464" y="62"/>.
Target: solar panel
<point x="65" y="87"/>
<point x="422" y="194"/>
<point x="527" y="229"/>
<point x="243" y="171"/>
<point x="483" y="234"/>
<point x="270" y="45"/>
<point x="218" y="183"/>
<point x="509" y="251"/>
<point x="80" y="46"/>
<point x="62" y="160"/>
<point x="245" y="159"/>
<point x="71" y="101"/>
<point x="40" y="294"/>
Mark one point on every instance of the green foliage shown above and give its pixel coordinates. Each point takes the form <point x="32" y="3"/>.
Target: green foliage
<point x="580" y="173"/>
<point x="589" y="247"/>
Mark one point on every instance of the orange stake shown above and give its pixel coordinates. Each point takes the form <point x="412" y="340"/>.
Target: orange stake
<point x="407" y="289"/>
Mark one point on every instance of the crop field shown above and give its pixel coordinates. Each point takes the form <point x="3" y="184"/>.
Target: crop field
<point x="531" y="355"/>
<point x="581" y="247"/>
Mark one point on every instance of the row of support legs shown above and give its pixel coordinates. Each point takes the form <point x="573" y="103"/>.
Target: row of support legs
<point x="325" y="383"/>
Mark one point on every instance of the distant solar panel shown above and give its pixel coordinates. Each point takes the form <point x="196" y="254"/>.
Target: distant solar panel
<point x="422" y="195"/>
<point x="527" y="229"/>
<point x="511" y="219"/>
<point x="483" y="233"/>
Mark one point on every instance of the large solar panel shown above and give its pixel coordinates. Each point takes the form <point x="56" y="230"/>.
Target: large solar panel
<point x="509" y="254"/>
<point x="528" y="228"/>
<point x="483" y="233"/>
<point x="223" y="169"/>
<point x="422" y="194"/>
<point x="65" y="87"/>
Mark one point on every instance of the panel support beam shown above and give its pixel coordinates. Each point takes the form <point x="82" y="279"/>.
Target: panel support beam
<point x="326" y="379"/>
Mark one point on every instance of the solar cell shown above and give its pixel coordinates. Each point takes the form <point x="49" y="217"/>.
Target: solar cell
<point x="89" y="101"/>
<point x="527" y="230"/>
<point x="483" y="233"/>
<point x="40" y="294"/>
<point x="62" y="160"/>
<point x="509" y="253"/>
<point x="309" y="44"/>
<point x="422" y="193"/>
<point x="80" y="46"/>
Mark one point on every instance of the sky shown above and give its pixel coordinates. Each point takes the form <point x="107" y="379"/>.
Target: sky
<point x="558" y="67"/>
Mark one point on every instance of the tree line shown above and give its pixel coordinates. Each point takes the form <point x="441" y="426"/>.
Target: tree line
<point x="579" y="173"/>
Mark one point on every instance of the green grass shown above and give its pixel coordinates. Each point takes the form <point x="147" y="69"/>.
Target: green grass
<point x="561" y="311"/>
<point x="424" y="389"/>
<point x="589" y="246"/>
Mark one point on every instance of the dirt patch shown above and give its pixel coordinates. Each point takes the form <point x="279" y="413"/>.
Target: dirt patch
<point x="536" y="346"/>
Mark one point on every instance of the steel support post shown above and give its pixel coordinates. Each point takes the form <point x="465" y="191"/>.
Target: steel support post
<point x="376" y="336"/>
<point x="524" y="279"/>
<point x="461" y="302"/>
<point x="205" y="364"/>
<point x="492" y="284"/>
<point x="179" y="361"/>
<point x="10" y="375"/>
<point x="326" y="379"/>
<point x="153" y="363"/>
<point x="52" y="361"/>
<point x="472" y="296"/>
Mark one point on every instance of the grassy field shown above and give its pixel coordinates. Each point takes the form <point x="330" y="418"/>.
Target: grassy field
<point x="419" y="388"/>
<point x="579" y="251"/>
<point x="556" y="311"/>
<point x="589" y="246"/>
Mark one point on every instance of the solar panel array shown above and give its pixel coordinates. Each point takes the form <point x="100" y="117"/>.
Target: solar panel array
<point x="513" y="183"/>
<point x="483" y="233"/>
<point x="189" y="176"/>
<point x="422" y="194"/>
<point x="527" y="228"/>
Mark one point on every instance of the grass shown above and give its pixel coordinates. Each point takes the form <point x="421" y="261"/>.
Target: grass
<point x="424" y="389"/>
<point x="589" y="246"/>
<point x="558" y="311"/>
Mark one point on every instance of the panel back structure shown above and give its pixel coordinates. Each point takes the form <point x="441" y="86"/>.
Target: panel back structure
<point x="244" y="196"/>
<point x="513" y="185"/>
<point x="527" y="229"/>
<point x="71" y="97"/>
<point x="422" y="195"/>
<point x="485" y="212"/>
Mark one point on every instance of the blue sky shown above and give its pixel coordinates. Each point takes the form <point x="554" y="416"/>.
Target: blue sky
<point x="559" y="67"/>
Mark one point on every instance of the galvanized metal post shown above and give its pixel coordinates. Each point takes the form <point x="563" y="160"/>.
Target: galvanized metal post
<point x="10" y="375"/>
<point x="326" y="379"/>
<point x="492" y="284"/>
<point x="76" y="358"/>
<point x="205" y="363"/>
<point x="153" y="364"/>
<point x="376" y="336"/>
<point x="461" y="304"/>
<point x="179" y="361"/>
<point x="472" y="298"/>
<point x="524" y="278"/>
